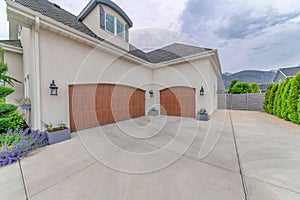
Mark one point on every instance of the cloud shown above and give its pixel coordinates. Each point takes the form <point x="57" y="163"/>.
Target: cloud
<point x="248" y="34"/>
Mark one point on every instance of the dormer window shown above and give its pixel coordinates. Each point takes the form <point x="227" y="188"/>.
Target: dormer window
<point x="113" y="25"/>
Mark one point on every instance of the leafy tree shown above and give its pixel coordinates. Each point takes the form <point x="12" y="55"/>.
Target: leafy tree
<point x="233" y="82"/>
<point x="241" y="88"/>
<point x="254" y="88"/>
<point x="267" y="97"/>
<point x="278" y="99"/>
<point x="284" y="97"/>
<point x="293" y="99"/>
<point x="272" y="98"/>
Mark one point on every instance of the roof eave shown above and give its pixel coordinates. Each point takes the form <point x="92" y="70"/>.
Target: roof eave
<point x="7" y="47"/>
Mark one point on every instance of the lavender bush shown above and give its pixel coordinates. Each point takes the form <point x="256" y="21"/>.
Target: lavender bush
<point x="15" y="144"/>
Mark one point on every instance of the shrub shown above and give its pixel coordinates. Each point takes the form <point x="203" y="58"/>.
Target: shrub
<point x="293" y="99"/>
<point x="284" y="103"/>
<point x="254" y="88"/>
<point x="241" y="88"/>
<point x="267" y="97"/>
<point x="18" y="143"/>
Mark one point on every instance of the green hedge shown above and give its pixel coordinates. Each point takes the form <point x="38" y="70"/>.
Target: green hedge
<point x="284" y="100"/>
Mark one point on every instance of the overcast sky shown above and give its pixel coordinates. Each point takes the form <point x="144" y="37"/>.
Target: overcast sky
<point x="254" y="34"/>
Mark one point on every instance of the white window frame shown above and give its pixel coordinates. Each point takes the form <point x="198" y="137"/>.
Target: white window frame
<point x="115" y="27"/>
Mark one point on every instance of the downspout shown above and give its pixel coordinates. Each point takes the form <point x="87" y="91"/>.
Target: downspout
<point x="37" y="96"/>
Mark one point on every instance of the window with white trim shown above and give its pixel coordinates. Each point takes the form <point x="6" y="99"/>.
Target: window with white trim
<point x="114" y="26"/>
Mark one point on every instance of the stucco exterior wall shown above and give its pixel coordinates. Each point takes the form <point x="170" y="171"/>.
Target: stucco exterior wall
<point x="69" y="62"/>
<point x="192" y="74"/>
<point x="93" y="22"/>
<point x="15" y="70"/>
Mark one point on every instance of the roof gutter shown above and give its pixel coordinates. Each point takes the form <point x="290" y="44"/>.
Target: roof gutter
<point x="11" y="48"/>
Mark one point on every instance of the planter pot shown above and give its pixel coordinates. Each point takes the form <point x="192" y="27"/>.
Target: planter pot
<point x="202" y="117"/>
<point x="153" y="113"/>
<point x="58" y="136"/>
<point x="25" y="106"/>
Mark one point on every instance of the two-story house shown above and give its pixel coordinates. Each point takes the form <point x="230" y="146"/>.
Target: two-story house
<point x="98" y="75"/>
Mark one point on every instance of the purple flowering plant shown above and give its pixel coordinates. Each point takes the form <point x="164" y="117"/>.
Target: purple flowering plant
<point x="15" y="144"/>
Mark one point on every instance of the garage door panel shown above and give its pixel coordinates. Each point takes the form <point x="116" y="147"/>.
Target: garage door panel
<point x="178" y="101"/>
<point x="100" y="104"/>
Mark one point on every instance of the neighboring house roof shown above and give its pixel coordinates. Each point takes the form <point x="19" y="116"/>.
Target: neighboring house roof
<point x="263" y="87"/>
<point x="58" y="14"/>
<point x="93" y="3"/>
<point x="15" y="43"/>
<point x="290" y="71"/>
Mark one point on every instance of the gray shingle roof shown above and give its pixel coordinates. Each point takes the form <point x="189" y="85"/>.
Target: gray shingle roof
<point x="290" y="71"/>
<point x="174" y="51"/>
<point x="58" y="14"/>
<point x="15" y="43"/>
<point x="171" y="52"/>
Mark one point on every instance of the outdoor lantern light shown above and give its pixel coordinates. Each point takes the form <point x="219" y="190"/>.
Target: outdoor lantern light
<point x="151" y="93"/>
<point x="53" y="88"/>
<point x="202" y="91"/>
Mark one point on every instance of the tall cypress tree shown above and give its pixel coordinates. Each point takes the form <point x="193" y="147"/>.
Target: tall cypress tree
<point x="293" y="99"/>
<point x="279" y="99"/>
<point x="284" y="104"/>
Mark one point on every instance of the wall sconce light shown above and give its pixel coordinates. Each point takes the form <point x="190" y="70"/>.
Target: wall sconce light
<point x="151" y="93"/>
<point x="202" y="91"/>
<point x="53" y="88"/>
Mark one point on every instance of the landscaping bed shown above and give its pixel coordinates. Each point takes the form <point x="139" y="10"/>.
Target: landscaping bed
<point x="15" y="144"/>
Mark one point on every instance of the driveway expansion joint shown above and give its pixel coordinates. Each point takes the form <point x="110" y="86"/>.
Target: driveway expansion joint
<point x="238" y="159"/>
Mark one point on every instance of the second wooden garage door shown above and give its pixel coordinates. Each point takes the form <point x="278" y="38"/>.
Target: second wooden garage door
<point x="99" y="104"/>
<point x="178" y="101"/>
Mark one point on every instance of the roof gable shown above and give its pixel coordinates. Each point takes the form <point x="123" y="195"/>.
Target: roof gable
<point x="93" y="3"/>
<point x="290" y="71"/>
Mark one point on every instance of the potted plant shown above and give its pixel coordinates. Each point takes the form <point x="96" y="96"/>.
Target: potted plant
<point x="57" y="134"/>
<point x="202" y="115"/>
<point x="24" y="103"/>
<point x="153" y="112"/>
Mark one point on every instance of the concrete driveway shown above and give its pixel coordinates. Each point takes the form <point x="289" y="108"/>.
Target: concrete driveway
<point x="236" y="155"/>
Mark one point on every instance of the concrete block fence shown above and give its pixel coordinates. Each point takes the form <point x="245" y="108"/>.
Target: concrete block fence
<point x="252" y="102"/>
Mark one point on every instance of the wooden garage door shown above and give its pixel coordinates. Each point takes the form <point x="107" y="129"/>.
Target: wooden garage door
<point x="99" y="104"/>
<point x="178" y="101"/>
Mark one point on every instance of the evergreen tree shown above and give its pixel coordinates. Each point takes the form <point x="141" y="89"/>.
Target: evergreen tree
<point x="285" y="95"/>
<point x="293" y="99"/>
<point x="278" y="102"/>
<point x="267" y="97"/>
<point x="272" y="98"/>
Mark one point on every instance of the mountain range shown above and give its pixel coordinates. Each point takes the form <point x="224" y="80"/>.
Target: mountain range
<point x="249" y="76"/>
